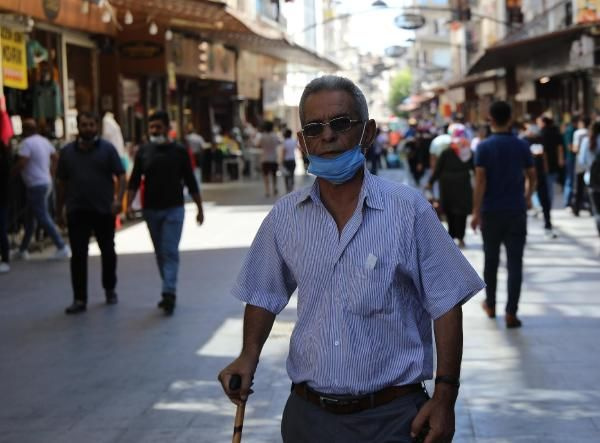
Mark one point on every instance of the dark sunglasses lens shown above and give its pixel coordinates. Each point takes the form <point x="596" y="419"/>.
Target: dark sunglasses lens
<point x="313" y="129"/>
<point x="340" y="124"/>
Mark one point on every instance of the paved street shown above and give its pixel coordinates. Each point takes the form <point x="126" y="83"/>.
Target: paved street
<point x="125" y="373"/>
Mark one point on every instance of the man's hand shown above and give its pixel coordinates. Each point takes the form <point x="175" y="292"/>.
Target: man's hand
<point x="117" y="207"/>
<point x="529" y="202"/>
<point x="245" y="367"/>
<point x="475" y="220"/>
<point x="438" y="413"/>
<point x="60" y="220"/>
<point x="200" y="216"/>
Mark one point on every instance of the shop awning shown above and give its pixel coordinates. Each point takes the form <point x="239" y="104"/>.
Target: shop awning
<point x="215" y="20"/>
<point x="473" y="80"/>
<point x="516" y="52"/>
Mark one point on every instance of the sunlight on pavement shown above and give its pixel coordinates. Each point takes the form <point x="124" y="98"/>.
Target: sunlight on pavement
<point x="242" y="223"/>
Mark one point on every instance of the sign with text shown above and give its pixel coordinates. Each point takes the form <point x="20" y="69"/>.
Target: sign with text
<point x="14" y="58"/>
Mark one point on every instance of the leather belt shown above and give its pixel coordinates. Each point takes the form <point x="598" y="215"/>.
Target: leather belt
<point x="341" y="404"/>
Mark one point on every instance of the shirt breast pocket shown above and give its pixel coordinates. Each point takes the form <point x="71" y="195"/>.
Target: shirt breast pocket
<point x="369" y="291"/>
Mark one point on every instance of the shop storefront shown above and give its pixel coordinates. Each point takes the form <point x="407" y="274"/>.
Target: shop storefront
<point x="49" y="68"/>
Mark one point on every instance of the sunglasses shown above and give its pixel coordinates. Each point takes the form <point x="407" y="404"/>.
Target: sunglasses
<point x="338" y="124"/>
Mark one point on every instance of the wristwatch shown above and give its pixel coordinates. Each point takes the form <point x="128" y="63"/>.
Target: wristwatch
<point x="448" y="380"/>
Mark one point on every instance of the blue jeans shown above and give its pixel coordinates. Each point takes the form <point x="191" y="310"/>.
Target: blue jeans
<point x="165" y="226"/>
<point x="37" y="200"/>
<point x="569" y="179"/>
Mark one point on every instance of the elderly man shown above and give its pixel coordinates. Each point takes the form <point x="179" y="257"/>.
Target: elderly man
<point x="373" y="267"/>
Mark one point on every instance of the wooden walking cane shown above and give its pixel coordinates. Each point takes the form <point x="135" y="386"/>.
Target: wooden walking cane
<point x="235" y="383"/>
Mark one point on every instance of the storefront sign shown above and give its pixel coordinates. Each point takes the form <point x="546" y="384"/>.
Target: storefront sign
<point x="141" y="49"/>
<point x="14" y="58"/>
<point x="51" y="8"/>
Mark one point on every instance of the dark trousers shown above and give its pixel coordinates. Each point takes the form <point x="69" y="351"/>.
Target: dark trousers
<point x="4" y="246"/>
<point x="304" y="422"/>
<point x="543" y="193"/>
<point x="457" y="225"/>
<point x="81" y="225"/>
<point x="510" y="229"/>
<point x="579" y="196"/>
<point x="290" y="167"/>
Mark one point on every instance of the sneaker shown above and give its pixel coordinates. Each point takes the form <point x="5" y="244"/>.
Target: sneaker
<point x="550" y="234"/>
<point x="63" y="253"/>
<point x="76" y="308"/>
<point x="21" y="255"/>
<point x="111" y="298"/>
<point x="4" y="268"/>
<point x="167" y="303"/>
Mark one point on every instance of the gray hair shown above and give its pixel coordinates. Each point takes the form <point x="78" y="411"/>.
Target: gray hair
<point x="335" y="83"/>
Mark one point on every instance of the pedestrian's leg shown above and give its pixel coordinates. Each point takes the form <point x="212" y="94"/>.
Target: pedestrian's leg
<point x="551" y="181"/>
<point x="515" y="245"/>
<point x="40" y="210"/>
<point x="154" y="221"/>
<point x="460" y="221"/>
<point x="4" y="245"/>
<point x="569" y="178"/>
<point x="579" y="193"/>
<point x="491" y="230"/>
<point x="452" y="228"/>
<point x="80" y="230"/>
<point x="28" y="225"/>
<point x="170" y="237"/>
<point x="544" y="197"/>
<point x="274" y="178"/>
<point x="104" y="228"/>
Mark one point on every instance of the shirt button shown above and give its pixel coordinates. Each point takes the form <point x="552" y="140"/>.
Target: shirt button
<point x="337" y="343"/>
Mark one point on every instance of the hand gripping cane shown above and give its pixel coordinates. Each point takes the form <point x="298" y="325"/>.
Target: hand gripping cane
<point x="235" y="383"/>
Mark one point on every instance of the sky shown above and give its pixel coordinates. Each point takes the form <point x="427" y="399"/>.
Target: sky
<point x="373" y="28"/>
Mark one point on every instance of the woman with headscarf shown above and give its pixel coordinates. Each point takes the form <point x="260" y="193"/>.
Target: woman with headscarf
<point x="453" y="170"/>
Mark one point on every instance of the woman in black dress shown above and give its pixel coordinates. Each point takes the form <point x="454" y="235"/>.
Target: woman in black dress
<point x="453" y="170"/>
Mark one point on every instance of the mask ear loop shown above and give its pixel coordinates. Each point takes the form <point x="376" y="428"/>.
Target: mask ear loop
<point x="305" y="148"/>
<point x="361" y="139"/>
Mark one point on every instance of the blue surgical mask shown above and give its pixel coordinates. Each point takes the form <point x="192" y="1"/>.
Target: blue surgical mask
<point x="340" y="169"/>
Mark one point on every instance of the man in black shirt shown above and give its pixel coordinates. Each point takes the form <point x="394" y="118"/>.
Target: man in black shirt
<point x="165" y="167"/>
<point x="86" y="174"/>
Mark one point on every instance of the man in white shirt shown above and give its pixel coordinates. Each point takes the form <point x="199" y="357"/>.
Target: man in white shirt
<point x="37" y="162"/>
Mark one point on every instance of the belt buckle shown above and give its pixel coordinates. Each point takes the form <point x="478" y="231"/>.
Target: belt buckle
<point x="325" y="401"/>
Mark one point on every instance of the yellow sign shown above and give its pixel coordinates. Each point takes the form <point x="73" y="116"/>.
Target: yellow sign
<point x="14" y="58"/>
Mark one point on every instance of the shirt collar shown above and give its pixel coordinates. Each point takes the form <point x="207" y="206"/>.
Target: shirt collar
<point x="370" y="192"/>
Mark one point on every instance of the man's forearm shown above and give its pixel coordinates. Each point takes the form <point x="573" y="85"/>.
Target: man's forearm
<point x="257" y="327"/>
<point x="478" y="197"/>
<point x="122" y="185"/>
<point x="449" y="344"/>
<point x="130" y="197"/>
<point x="198" y="200"/>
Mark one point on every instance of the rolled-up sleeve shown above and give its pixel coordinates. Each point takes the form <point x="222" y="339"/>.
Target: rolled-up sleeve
<point x="265" y="280"/>
<point x="443" y="276"/>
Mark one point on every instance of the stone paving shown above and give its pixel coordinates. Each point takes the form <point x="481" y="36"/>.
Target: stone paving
<point x="125" y="373"/>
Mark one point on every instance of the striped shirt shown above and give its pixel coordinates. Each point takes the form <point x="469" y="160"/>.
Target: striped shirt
<point x="367" y="296"/>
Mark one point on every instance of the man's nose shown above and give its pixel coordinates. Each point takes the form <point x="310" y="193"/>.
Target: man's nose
<point x="328" y="134"/>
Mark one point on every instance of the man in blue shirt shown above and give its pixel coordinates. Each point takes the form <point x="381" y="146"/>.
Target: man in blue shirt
<point x="500" y="202"/>
<point x="373" y="268"/>
<point x="87" y="169"/>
